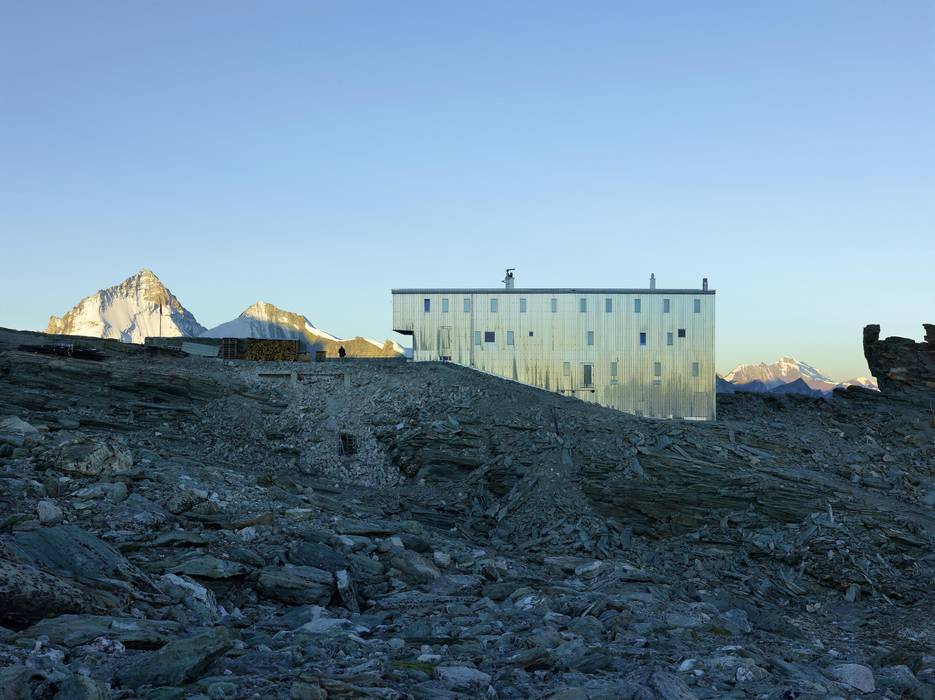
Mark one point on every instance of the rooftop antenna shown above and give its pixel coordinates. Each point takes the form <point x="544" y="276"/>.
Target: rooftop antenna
<point x="508" y="279"/>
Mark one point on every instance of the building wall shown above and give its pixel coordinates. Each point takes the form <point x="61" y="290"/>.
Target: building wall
<point x="544" y="341"/>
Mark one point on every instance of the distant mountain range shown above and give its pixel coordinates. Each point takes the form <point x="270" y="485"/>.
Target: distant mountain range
<point x="785" y="376"/>
<point x="142" y="306"/>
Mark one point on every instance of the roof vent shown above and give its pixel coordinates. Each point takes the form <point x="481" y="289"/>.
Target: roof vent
<point x="508" y="279"/>
<point x="704" y="284"/>
<point x="652" y="281"/>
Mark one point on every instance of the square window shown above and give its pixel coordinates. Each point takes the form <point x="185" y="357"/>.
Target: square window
<point x="582" y="305"/>
<point x="590" y="337"/>
<point x="681" y="332"/>
<point x="697" y="306"/>
<point x="665" y="306"/>
<point x="476" y="337"/>
<point x="509" y="337"/>
<point x="444" y="306"/>
<point x="426" y="305"/>
<point x="493" y="306"/>
<point x="566" y="369"/>
<point x="489" y="337"/>
<point x="642" y="339"/>
<point x="608" y="305"/>
<point x="669" y="338"/>
<point x="636" y="306"/>
<point x="530" y="334"/>
<point x="586" y="372"/>
<point x="467" y="305"/>
<point x="694" y="369"/>
<point x="522" y="305"/>
<point x="554" y="305"/>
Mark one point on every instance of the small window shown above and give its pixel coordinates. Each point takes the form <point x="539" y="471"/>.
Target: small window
<point x="586" y="375"/>
<point x="467" y="305"/>
<point x="636" y="306"/>
<point x="590" y="337"/>
<point x="554" y="305"/>
<point x="530" y="334"/>
<point x="642" y="339"/>
<point x="613" y="372"/>
<point x="490" y="337"/>
<point x="608" y="305"/>
<point x="566" y="369"/>
<point x="444" y="306"/>
<point x="493" y="306"/>
<point x="657" y="369"/>
<point x="669" y="338"/>
<point x="426" y="305"/>
<point x="681" y="332"/>
<point x="694" y="369"/>
<point x="582" y="305"/>
<point x="522" y="305"/>
<point x="509" y="337"/>
<point x="665" y="306"/>
<point x="476" y="337"/>
<point x="697" y="306"/>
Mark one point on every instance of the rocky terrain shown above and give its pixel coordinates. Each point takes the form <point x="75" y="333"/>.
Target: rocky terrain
<point x="177" y="527"/>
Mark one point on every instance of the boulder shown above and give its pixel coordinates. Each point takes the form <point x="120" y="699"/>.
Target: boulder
<point x="296" y="585"/>
<point x="178" y="662"/>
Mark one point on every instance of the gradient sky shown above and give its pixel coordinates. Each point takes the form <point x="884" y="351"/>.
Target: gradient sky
<point x="316" y="154"/>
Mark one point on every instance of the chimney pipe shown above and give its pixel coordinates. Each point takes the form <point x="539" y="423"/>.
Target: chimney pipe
<point x="508" y="279"/>
<point x="652" y="281"/>
<point x="704" y="284"/>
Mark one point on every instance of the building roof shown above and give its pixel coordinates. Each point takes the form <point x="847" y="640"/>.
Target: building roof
<point x="549" y="290"/>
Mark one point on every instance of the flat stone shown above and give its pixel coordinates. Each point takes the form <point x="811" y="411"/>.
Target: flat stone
<point x="296" y="585"/>
<point x="207" y="566"/>
<point x="178" y="662"/>
<point x="414" y="567"/>
<point x="49" y="513"/>
<point x="855" y="676"/>
<point x="462" y="677"/>
<point x="75" y="630"/>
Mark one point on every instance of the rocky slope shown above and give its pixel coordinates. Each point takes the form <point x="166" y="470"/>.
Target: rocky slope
<point x="176" y="528"/>
<point x="139" y="306"/>
<point x="263" y="320"/>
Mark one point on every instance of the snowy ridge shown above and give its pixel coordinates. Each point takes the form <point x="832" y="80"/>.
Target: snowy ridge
<point x="264" y="320"/>
<point x="139" y="306"/>
<point x="785" y="371"/>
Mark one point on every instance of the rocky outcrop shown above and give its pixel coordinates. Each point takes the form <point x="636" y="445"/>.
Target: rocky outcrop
<point x="901" y="364"/>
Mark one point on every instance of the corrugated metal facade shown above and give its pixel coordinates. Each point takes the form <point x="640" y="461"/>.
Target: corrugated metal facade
<point x="649" y="352"/>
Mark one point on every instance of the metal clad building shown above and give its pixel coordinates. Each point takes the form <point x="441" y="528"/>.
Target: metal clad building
<point x="644" y="351"/>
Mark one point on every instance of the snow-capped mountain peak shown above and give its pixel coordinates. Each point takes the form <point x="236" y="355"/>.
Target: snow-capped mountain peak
<point x="783" y="371"/>
<point x="264" y="320"/>
<point x="139" y="306"/>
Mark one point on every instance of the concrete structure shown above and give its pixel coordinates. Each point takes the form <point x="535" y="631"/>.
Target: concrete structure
<point x="644" y="351"/>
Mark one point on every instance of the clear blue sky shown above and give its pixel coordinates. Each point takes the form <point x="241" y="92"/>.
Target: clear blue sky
<point x="316" y="154"/>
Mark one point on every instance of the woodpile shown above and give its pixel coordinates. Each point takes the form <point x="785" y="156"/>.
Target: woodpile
<point x="272" y="350"/>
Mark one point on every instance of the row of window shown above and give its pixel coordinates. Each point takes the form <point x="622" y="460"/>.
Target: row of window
<point x="582" y="305"/>
<point x="491" y="337"/>
<point x="587" y="371"/>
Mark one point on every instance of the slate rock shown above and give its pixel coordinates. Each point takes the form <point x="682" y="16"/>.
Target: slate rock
<point x="296" y="585"/>
<point x="178" y="662"/>
<point x="133" y="633"/>
<point x="855" y="676"/>
<point x="462" y="677"/>
<point x="414" y="567"/>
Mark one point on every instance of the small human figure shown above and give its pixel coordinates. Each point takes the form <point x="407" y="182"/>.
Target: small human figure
<point x="342" y="352"/>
